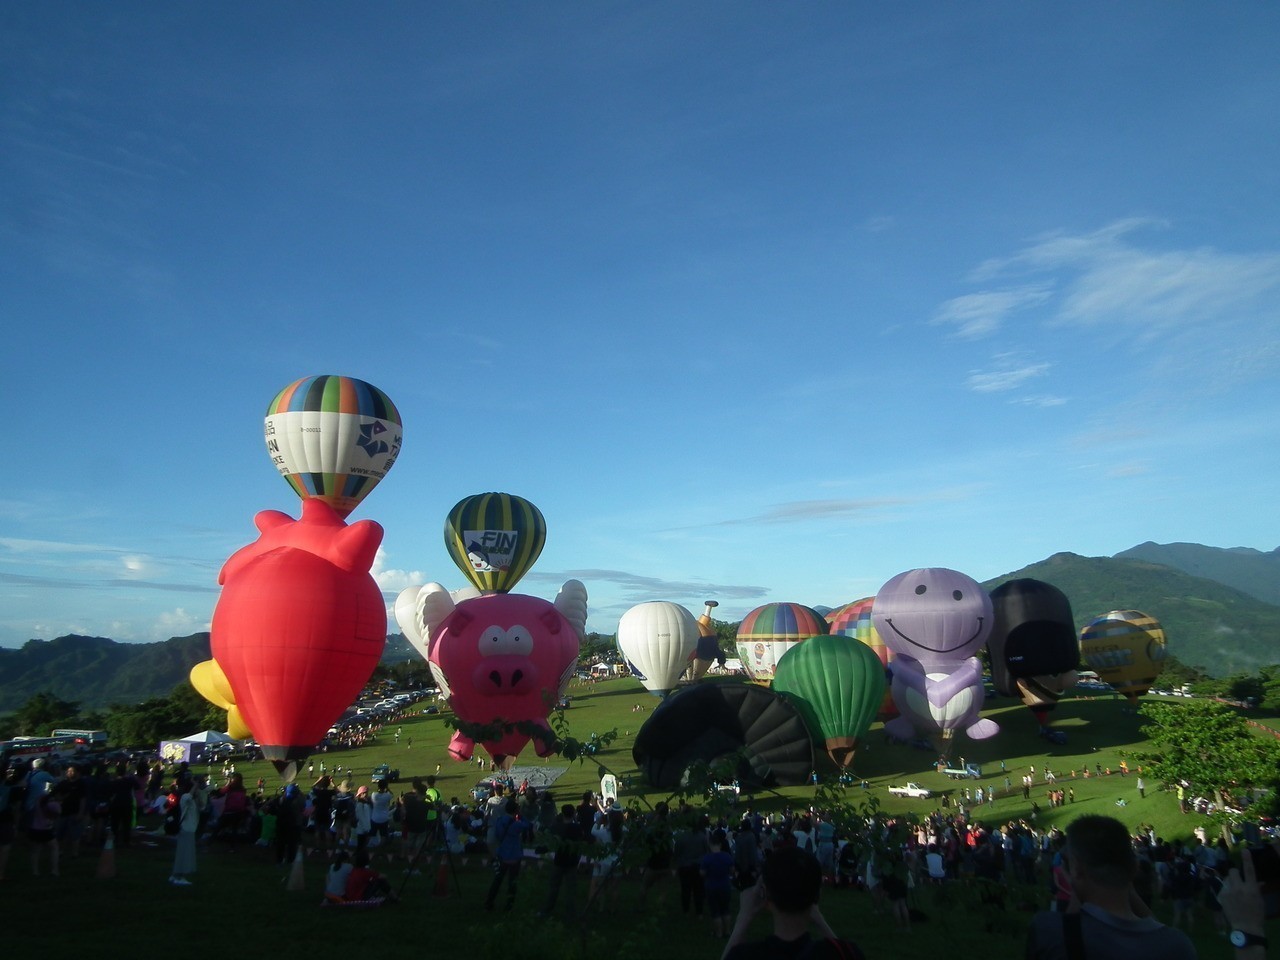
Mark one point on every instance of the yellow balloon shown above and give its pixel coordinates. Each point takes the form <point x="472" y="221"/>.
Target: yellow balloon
<point x="212" y="684"/>
<point x="1126" y="648"/>
<point x="236" y="727"/>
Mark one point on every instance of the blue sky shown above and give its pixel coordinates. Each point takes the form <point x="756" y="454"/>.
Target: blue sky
<point x="756" y="301"/>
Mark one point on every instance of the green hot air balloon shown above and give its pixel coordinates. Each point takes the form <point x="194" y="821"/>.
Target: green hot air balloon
<point x="837" y="684"/>
<point x="494" y="538"/>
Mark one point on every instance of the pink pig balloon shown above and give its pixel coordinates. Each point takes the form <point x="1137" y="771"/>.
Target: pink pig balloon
<point x="504" y="658"/>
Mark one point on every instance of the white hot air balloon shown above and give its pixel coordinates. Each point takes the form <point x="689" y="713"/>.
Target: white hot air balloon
<point x="657" y="639"/>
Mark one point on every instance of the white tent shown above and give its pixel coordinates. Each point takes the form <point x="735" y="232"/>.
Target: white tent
<point x="209" y="736"/>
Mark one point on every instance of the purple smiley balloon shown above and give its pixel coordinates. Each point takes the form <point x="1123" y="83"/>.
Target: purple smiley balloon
<point x="935" y="620"/>
<point x="935" y="615"/>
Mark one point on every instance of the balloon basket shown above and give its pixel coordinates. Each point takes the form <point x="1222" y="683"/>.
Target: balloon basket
<point x="107" y="861"/>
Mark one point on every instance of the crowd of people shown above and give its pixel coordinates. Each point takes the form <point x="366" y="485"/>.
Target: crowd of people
<point x="682" y="855"/>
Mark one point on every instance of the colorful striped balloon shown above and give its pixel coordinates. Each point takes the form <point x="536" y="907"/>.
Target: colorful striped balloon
<point x="854" y="620"/>
<point x="333" y="438"/>
<point x="767" y="632"/>
<point x="494" y="538"/>
<point x="1126" y="648"/>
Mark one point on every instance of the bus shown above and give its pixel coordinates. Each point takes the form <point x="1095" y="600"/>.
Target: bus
<point x="62" y="744"/>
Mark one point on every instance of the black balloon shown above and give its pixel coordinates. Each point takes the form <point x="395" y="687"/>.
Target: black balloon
<point x="1034" y="633"/>
<point x="712" y="721"/>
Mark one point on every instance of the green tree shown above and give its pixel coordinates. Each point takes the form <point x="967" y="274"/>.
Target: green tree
<point x="1209" y="747"/>
<point x="42" y="713"/>
<point x="145" y="724"/>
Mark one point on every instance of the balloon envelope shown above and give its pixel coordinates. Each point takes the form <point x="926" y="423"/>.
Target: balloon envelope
<point x="333" y="438"/>
<point x="854" y="620"/>
<point x="1126" y="648"/>
<point x="657" y="639"/>
<point x="838" y="685"/>
<point x="299" y="627"/>
<point x="494" y="538"/>
<point x="712" y="721"/>
<point x="769" y="631"/>
<point x="1033" y="644"/>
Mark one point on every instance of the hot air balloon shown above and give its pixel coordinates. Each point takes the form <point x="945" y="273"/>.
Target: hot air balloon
<point x="708" y="649"/>
<point x="211" y="683"/>
<point x="837" y="684"/>
<point x="767" y="632"/>
<point x="502" y="661"/>
<point x="713" y="721"/>
<point x="1126" y="648"/>
<point x="657" y="639"/>
<point x="406" y="613"/>
<point x="1033" y="646"/>
<point x="299" y="626"/>
<point x="854" y="620"/>
<point x="333" y="438"/>
<point x="494" y="538"/>
<point x="935" y="620"/>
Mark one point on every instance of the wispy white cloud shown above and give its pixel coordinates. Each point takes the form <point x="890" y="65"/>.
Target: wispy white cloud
<point x="981" y="314"/>
<point x="1195" y="308"/>
<point x="1006" y="377"/>
<point x="1042" y="400"/>
<point x="641" y="587"/>
<point x="1105" y="277"/>
<point x="803" y="511"/>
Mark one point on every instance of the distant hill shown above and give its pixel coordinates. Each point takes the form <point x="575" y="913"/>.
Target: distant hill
<point x="96" y="672"/>
<point x="1252" y="571"/>
<point x="1221" y="608"/>
<point x="1210" y="625"/>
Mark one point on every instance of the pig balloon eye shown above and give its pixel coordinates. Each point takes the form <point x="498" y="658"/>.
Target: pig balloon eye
<point x="500" y="641"/>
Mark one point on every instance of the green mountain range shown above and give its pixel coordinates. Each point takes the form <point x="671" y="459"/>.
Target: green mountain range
<point x="1219" y="607"/>
<point x="1211" y="625"/>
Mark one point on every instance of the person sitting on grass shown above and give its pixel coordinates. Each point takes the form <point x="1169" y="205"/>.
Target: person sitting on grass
<point x="789" y="887"/>
<point x="364" y="884"/>
<point x="335" y="878"/>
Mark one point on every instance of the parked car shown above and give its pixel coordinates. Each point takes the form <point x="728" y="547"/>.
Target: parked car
<point x="910" y="789"/>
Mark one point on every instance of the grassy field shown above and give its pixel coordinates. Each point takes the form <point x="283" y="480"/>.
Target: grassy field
<point x="240" y="899"/>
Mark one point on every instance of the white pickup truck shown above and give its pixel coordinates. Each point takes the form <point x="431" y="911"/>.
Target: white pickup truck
<point x="909" y="790"/>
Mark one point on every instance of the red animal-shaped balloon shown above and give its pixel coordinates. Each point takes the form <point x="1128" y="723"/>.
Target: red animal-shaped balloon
<point x="503" y="659"/>
<point x="299" y="626"/>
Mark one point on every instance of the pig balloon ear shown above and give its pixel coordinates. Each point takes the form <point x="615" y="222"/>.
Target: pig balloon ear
<point x="433" y="605"/>
<point x="407" y="617"/>
<point x="268" y="520"/>
<point x="572" y="602"/>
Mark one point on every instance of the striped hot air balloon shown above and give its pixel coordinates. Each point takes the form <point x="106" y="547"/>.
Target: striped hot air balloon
<point x="1126" y="648"/>
<point x="332" y="438"/>
<point x="494" y="538"/>
<point x="767" y="632"/>
<point x="854" y="620"/>
<point x="837" y="684"/>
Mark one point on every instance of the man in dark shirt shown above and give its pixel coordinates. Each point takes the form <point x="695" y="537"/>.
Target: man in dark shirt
<point x="569" y="845"/>
<point x="789" y="887"/>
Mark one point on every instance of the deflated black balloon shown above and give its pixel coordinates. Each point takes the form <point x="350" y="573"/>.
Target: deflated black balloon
<point x="711" y="721"/>
<point x="1033" y="635"/>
